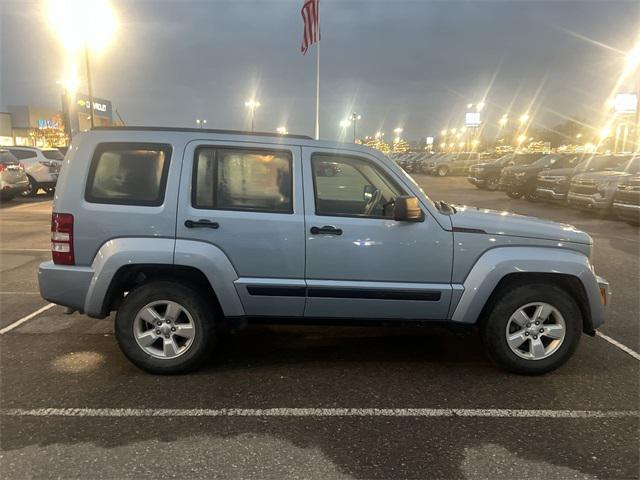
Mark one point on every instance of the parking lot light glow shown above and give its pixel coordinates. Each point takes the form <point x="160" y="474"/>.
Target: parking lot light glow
<point x="443" y="132"/>
<point x="503" y="121"/>
<point x="73" y="21"/>
<point x="605" y="132"/>
<point x="282" y="130"/>
<point x="524" y="118"/>
<point x="633" y="59"/>
<point x="521" y="139"/>
<point x="345" y="123"/>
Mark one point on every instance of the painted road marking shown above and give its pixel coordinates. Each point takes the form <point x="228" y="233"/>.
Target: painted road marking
<point x="316" y="412"/>
<point x="616" y="343"/>
<point x="17" y="323"/>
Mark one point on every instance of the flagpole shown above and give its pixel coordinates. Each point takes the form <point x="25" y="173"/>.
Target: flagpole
<point x="318" y="90"/>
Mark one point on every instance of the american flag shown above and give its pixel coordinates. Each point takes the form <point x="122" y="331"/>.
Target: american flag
<point x="311" y="18"/>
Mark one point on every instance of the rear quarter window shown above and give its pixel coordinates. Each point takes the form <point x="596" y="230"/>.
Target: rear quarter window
<point x="128" y="174"/>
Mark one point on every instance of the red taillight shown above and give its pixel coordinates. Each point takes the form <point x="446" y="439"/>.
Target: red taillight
<point x="62" y="238"/>
<point x="3" y="167"/>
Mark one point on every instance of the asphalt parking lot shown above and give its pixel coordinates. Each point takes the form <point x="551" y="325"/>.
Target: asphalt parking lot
<point x="321" y="402"/>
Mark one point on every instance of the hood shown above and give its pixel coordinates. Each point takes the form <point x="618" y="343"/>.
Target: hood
<point x="494" y="222"/>
<point x="557" y="172"/>
<point x="601" y="176"/>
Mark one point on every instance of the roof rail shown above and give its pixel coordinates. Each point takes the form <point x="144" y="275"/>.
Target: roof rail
<point x="203" y="130"/>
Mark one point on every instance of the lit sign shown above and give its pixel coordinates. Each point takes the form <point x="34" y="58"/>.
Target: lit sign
<point x="429" y="140"/>
<point x="101" y="107"/>
<point x="48" y="123"/>
<point x="472" y="119"/>
<point x="625" y="103"/>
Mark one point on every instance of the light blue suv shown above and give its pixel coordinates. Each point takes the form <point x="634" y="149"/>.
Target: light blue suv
<point x="183" y="230"/>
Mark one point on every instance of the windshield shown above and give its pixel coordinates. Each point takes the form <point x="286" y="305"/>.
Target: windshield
<point x="546" y="161"/>
<point x="596" y="164"/>
<point x="53" y="154"/>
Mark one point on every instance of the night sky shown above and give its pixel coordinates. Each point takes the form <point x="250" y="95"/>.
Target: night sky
<point x="414" y="64"/>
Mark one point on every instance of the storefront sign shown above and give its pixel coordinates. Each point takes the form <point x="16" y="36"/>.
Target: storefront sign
<point x="49" y="123"/>
<point x="101" y="107"/>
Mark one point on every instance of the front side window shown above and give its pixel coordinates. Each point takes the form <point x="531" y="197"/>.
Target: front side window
<point x="243" y="179"/>
<point x="128" y="174"/>
<point x="350" y="186"/>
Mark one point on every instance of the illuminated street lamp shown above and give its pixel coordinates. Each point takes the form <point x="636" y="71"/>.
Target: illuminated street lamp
<point x="201" y="123"/>
<point x="379" y="135"/>
<point x="282" y="130"/>
<point x="252" y="105"/>
<point x="521" y="139"/>
<point x="605" y="132"/>
<point x="524" y="118"/>
<point x="503" y="121"/>
<point x="69" y="19"/>
<point x="397" y="131"/>
<point x="443" y="132"/>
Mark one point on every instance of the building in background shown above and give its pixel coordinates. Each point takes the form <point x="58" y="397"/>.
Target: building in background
<point x="48" y="127"/>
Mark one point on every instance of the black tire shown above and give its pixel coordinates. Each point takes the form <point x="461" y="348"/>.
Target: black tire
<point x="32" y="190"/>
<point x="492" y="184"/>
<point x="531" y="196"/>
<point x="515" y="194"/>
<point x="192" y="300"/>
<point x="493" y="327"/>
<point x="442" y="171"/>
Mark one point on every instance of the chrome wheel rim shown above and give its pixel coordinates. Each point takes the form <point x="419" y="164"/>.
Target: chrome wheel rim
<point x="535" y="331"/>
<point x="164" y="329"/>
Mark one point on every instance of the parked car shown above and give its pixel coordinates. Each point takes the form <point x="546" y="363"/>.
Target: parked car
<point x="626" y="201"/>
<point x="519" y="181"/>
<point x="595" y="191"/>
<point x="179" y="229"/>
<point x="487" y="174"/>
<point x="452" y="164"/>
<point x="418" y="163"/>
<point x="42" y="167"/>
<point x="553" y="185"/>
<point x="13" y="180"/>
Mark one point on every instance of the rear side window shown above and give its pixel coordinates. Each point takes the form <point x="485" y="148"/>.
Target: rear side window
<point x="242" y="179"/>
<point x="128" y="174"/>
<point x="23" y="154"/>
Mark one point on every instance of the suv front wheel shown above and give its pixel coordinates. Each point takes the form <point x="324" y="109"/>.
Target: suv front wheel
<point x="532" y="329"/>
<point x="165" y="327"/>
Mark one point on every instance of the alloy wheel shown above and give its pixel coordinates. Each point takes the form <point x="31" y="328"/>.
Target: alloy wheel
<point x="164" y="329"/>
<point x="535" y="331"/>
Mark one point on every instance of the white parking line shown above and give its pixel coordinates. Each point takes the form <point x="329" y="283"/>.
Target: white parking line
<point x="316" y="412"/>
<point x="17" y="323"/>
<point x="616" y="343"/>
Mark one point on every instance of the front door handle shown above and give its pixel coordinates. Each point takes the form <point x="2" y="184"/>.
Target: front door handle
<point x="326" y="230"/>
<point x="201" y="224"/>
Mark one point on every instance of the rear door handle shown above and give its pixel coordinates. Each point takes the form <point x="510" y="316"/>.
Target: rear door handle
<point x="201" y="224"/>
<point x="326" y="230"/>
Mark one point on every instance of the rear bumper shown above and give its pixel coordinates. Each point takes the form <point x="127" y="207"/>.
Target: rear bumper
<point x="64" y="285"/>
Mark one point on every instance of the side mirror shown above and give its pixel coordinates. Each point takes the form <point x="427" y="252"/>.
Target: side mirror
<point x="369" y="192"/>
<point x="407" y="209"/>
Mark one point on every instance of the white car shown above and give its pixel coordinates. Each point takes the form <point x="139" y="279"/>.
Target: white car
<point x="42" y="167"/>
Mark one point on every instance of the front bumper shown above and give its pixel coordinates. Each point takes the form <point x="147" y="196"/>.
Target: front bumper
<point x="595" y="202"/>
<point x="549" y="194"/>
<point x="478" y="182"/>
<point x="598" y="314"/>
<point x="65" y="285"/>
<point x="627" y="211"/>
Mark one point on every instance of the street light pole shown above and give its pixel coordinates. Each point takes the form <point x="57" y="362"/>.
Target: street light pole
<point x="89" y="85"/>
<point x="354" y="118"/>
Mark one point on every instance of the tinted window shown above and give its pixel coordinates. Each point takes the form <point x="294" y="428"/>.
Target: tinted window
<point x="236" y="179"/>
<point x="53" y="154"/>
<point x="352" y="187"/>
<point x="7" y="158"/>
<point x="128" y="174"/>
<point x="23" y="154"/>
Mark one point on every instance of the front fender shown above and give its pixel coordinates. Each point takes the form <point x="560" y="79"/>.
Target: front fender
<point x="496" y="263"/>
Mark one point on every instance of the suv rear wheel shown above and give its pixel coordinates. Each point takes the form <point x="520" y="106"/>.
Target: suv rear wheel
<point x="32" y="189"/>
<point x="165" y="327"/>
<point x="492" y="184"/>
<point x="514" y="194"/>
<point x="532" y="329"/>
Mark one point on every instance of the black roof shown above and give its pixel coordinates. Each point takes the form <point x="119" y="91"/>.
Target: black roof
<point x="204" y="130"/>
